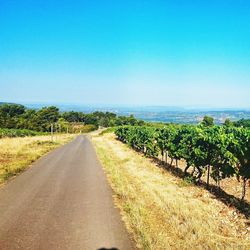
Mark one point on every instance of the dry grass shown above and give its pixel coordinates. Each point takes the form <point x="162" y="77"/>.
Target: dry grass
<point x="164" y="212"/>
<point x="16" y="154"/>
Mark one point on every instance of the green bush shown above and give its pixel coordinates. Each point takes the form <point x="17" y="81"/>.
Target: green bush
<point x="4" y="132"/>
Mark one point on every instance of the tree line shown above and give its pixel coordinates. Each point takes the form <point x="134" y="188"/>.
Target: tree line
<point x="16" y="116"/>
<point x="217" y="151"/>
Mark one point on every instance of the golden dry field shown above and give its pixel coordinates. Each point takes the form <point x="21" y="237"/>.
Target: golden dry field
<point x="16" y="154"/>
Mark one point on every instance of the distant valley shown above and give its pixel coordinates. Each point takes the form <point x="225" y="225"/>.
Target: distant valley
<point x="158" y="113"/>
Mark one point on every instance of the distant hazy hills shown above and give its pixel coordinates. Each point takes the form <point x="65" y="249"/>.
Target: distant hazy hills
<point x="158" y="113"/>
<point x="1" y="103"/>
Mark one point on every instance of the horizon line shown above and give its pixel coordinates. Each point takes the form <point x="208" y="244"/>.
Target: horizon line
<point x="108" y="105"/>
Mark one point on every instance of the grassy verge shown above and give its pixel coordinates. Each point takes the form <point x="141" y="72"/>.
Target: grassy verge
<point x="16" y="154"/>
<point x="163" y="211"/>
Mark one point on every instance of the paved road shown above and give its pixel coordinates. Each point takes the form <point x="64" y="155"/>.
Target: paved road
<point x="62" y="202"/>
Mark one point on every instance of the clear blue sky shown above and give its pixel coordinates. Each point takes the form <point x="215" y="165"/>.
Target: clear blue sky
<point x="194" y="53"/>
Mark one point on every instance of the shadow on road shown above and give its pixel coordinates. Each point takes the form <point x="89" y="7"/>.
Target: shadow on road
<point x="103" y="248"/>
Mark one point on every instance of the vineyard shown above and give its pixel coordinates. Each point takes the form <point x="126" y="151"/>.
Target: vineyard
<point x="4" y="132"/>
<point x="218" y="151"/>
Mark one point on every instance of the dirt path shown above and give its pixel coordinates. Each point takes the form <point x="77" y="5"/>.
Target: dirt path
<point x="62" y="202"/>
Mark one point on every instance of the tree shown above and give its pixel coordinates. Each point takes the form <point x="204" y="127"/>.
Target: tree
<point x="44" y="118"/>
<point x="228" y="123"/>
<point x="27" y="119"/>
<point x="245" y="123"/>
<point x="240" y="147"/>
<point x="63" y="125"/>
<point x="207" y="121"/>
<point x="18" y="117"/>
<point x="71" y="116"/>
<point x="174" y="144"/>
<point x="12" y="109"/>
<point x="91" y="119"/>
<point x="9" y="115"/>
<point x="104" y="122"/>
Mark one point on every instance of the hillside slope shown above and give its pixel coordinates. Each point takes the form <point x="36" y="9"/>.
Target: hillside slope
<point x="164" y="212"/>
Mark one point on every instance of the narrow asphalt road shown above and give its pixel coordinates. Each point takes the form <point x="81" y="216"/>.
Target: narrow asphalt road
<point x="62" y="202"/>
